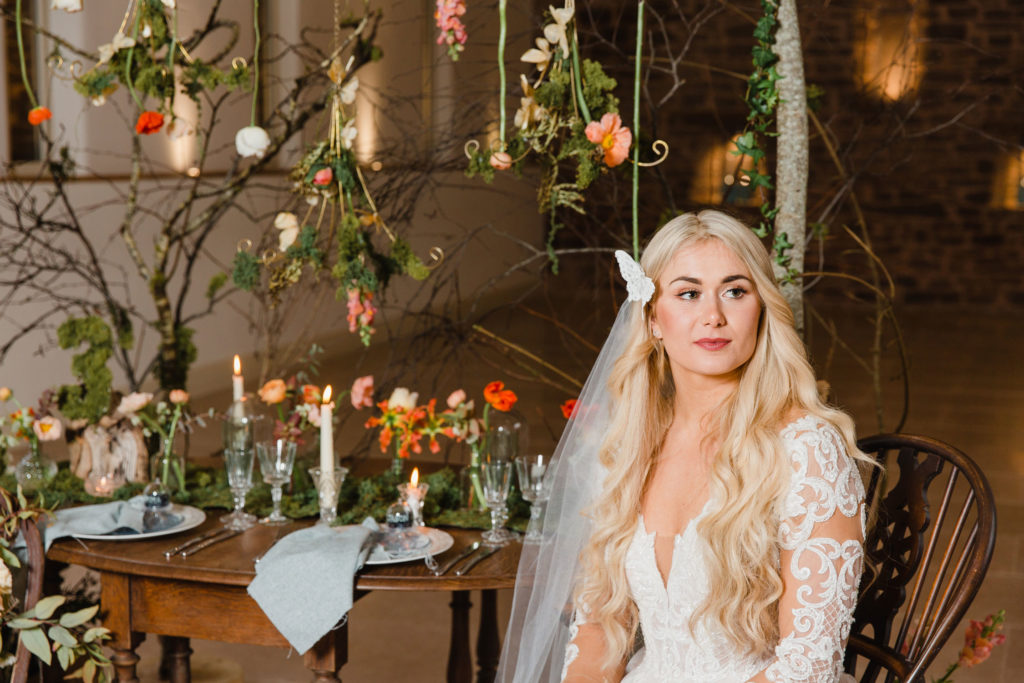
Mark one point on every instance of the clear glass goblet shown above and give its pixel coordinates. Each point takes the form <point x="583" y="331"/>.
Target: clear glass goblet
<point x="276" y="458"/>
<point x="238" y="462"/>
<point x="535" y="485"/>
<point x="496" y="474"/>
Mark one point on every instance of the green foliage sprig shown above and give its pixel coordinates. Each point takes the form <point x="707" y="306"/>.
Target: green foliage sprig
<point x="90" y="399"/>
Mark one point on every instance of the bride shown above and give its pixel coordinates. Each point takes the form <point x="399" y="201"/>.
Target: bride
<point x="707" y="518"/>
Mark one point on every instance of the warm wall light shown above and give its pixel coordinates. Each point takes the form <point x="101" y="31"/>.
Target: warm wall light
<point x="1008" y="185"/>
<point x="889" y="56"/>
<point x="721" y="177"/>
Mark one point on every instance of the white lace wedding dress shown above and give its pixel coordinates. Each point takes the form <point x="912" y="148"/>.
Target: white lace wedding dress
<point x="821" y="573"/>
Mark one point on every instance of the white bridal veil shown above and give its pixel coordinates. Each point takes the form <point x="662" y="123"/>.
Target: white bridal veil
<point x="538" y="630"/>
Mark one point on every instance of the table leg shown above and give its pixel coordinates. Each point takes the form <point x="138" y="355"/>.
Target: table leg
<point x="329" y="654"/>
<point x="488" y="643"/>
<point x="174" y="661"/>
<point x="460" y="669"/>
<point x="115" y="599"/>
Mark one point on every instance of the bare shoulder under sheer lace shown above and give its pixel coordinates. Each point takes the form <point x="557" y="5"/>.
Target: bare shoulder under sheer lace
<point x="821" y="558"/>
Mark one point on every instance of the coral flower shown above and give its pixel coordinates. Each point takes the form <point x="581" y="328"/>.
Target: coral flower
<point x="613" y="138"/>
<point x="273" y="391"/>
<point x="178" y="396"/>
<point x="323" y="177"/>
<point x="38" y="115"/>
<point x="499" y="397"/>
<point x="47" y="428"/>
<point x="149" y="122"/>
<point x="569" y="408"/>
<point x="456" y="398"/>
<point x="311" y="394"/>
<point x="362" y="392"/>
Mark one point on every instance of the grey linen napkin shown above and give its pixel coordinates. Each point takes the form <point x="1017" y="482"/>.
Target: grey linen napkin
<point x="305" y="581"/>
<point x="95" y="519"/>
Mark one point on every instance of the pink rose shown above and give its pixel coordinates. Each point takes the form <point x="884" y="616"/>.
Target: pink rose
<point x="501" y="161"/>
<point x="362" y="392"/>
<point x="134" y="402"/>
<point x="313" y="414"/>
<point x="323" y="177"/>
<point x="178" y="396"/>
<point x="456" y="398"/>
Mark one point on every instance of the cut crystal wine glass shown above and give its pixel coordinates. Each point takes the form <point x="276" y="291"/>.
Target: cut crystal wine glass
<point x="277" y="457"/>
<point x="238" y="462"/>
<point x="496" y="474"/>
<point x="535" y="485"/>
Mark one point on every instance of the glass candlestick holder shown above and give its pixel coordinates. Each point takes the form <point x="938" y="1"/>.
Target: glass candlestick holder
<point x="414" y="497"/>
<point x="328" y="489"/>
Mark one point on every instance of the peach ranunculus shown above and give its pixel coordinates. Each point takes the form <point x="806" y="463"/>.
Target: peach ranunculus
<point x="323" y="177"/>
<point x="501" y="161"/>
<point x="149" y="122"/>
<point x="5" y="394"/>
<point x="38" y="115"/>
<point x="613" y="138"/>
<point x="456" y="398"/>
<point x="403" y="398"/>
<point x="362" y="392"/>
<point x="48" y="428"/>
<point x="273" y="391"/>
<point x="134" y="402"/>
<point x="178" y="396"/>
<point x="310" y="393"/>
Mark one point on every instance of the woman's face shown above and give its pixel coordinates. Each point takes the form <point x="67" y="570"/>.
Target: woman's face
<point x="707" y="312"/>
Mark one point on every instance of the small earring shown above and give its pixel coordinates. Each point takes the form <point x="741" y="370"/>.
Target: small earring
<point x="656" y="332"/>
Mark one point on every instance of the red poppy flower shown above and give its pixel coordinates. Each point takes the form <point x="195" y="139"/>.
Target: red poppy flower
<point x="499" y="397"/>
<point x="569" y="408"/>
<point x="149" y="122"/>
<point x="38" y="115"/>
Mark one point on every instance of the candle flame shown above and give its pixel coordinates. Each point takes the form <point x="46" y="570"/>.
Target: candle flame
<point x="327" y="394"/>
<point x="415" y="477"/>
<point x="238" y="365"/>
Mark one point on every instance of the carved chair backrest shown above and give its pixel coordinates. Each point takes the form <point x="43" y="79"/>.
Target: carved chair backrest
<point x="928" y="550"/>
<point x="35" y="567"/>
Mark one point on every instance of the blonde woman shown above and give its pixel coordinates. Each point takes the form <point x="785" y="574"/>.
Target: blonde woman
<point x="708" y="518"/>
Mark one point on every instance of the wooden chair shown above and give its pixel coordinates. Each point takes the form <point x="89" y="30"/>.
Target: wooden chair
<point x="33" y="583"/>
<point x="941" y="558"/>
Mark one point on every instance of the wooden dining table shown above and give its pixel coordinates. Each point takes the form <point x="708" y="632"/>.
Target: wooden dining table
<point x="204" y="596"/>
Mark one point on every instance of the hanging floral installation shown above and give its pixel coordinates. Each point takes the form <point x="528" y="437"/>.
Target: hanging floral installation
<point x="568" y="117"/>
<point x="341" y="230"/>
<point x="453" y="32"/>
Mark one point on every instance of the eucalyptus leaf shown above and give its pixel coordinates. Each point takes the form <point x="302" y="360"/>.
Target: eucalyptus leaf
<point x="35" y="640"/>
<point x="94" y="633"/>
<point x="63" y="657"/>
<point x="23" y="623"/>
<point x="9" y="558"/>
<point x="61" y="635"/>
<point x="46" y="606"/>
<point x="72" y="619"/>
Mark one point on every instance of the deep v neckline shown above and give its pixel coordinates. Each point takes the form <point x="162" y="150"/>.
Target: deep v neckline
<point x="652" y="538"/>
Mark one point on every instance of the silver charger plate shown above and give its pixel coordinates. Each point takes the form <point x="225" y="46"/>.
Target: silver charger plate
<point x="439" y="542"/>
<point x="191" y="517"/>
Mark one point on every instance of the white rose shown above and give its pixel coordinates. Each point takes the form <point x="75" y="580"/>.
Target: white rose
<point x="169" y="3"/>
<point x="67" y="5"/>
<point x="286" y="220"/>
<point x="403" y="398"/>
<point x="286" y="238"/>
<point x="134" y="402"/>
<point x="252" y="141"/>
<point x="120" y="42"/>
<point x="348" y="92"/>
<point x="348" y="133"/>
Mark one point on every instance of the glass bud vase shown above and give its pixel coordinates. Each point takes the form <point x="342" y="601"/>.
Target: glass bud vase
<point x="167" y="468"/>
<point x="34" y="470"/>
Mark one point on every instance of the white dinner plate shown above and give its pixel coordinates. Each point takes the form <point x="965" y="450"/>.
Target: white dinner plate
<point x="190" y="517"/>
<point x="439" y="542"/>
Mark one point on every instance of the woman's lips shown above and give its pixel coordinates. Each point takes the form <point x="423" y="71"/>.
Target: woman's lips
<point x="712" y="344"/>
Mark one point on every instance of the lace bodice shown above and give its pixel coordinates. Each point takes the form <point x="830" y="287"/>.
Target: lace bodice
<point x="821" y="574"/>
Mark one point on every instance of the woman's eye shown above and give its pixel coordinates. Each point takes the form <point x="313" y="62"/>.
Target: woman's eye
<point x="734" y="292"/>
<point x="688" y="294"/>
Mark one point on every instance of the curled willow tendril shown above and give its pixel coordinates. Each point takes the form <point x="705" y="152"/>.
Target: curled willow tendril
<point x="636" y="129"/>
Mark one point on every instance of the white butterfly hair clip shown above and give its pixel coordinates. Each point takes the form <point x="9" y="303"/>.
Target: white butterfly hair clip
<point x="639" y="287"/>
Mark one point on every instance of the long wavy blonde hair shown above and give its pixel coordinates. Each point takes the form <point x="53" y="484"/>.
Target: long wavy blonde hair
<point x="750" y="472"/>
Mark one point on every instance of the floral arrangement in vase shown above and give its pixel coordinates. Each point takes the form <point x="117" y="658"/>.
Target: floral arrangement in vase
<point x="979" y="639"/>
<point x="163" y="419"/>
<point x="33" y="426"/>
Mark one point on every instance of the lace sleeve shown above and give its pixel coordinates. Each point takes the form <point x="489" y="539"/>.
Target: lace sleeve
<point x="821" y="537"/>
<point x="572" y="648"/>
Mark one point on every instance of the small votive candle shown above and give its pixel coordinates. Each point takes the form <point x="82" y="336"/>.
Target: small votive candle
<point x="102" y="486"/>
<point x="414" y="493"/>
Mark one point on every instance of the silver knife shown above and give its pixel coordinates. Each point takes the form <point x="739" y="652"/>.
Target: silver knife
<point x="466" y="552"/>
<point x="472" y="563"/>
<point x="192" y="541"/>
<point x="210" y="541"/>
